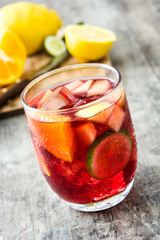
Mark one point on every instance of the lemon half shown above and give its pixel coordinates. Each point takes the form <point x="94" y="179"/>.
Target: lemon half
<point x="87" y="42"/>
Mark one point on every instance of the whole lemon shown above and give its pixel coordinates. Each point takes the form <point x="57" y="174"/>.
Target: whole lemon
<point x="31" y="22"/>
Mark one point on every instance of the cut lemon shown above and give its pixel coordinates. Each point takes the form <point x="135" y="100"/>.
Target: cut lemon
<point x="54" y="46"/>
<point x="12" y="57"/>
<point x="87" y="43"/>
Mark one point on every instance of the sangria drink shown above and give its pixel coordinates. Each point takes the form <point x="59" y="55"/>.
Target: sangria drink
<point x="83" y="134"/>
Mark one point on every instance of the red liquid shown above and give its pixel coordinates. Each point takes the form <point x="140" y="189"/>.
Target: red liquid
<point x="71" y="180"/>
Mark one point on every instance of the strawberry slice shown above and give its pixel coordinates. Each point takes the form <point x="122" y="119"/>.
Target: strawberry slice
<point x="99" y="87"/>
<point x="57" y="137"/>
<point x="115" y="121"/>
<point x="83" y="88"/>
<point x="86" y="133"/>
<point x="71" y="86"/>
<point x="78" y="165"/>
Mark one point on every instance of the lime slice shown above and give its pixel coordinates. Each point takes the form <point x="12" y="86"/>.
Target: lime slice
<point x="54" y="46"/>
<point x="109" y="154"/>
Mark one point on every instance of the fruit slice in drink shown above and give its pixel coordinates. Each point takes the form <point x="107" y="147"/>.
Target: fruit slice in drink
<point x="85" y="133"/>
<point x="56" y="136"/>
<point x="41" y="162"/>
<point x="116" y="118"/>
<point x="74" y="84"/>
<point x="108" y="154"/>
<point x="99" y="87"/>
<point x="82" y="89"/>
<point x="46" y="97"/>
<point x="92" y="110"/>
<point x="57" y="99"/>
<point x="103" y="116"/>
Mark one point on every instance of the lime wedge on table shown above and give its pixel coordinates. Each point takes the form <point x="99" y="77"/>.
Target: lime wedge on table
<point x="54" y="46"/>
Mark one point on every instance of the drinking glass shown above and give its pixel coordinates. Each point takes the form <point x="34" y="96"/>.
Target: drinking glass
<point x="86" y="149"/>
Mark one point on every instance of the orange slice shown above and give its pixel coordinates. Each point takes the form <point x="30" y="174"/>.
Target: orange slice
<point x="57" y="137"/>
<point x="12" y="57"/>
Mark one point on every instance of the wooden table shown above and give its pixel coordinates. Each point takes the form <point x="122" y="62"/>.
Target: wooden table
<point x="28" y="207"/>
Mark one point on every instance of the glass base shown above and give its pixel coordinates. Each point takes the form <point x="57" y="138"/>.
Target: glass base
<point x="104" y="204"/>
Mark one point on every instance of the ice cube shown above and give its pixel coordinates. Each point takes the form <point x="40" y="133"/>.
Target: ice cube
<point x="63" y="98"/>
<point x="99" y="87"/>
<point x="79" y="103"/>
<point x="68" y="95"/>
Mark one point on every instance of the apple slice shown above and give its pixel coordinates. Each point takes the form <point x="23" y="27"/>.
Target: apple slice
<point x="48" y="95"/>
<point x="93" y="110"/>
<point x="74" y="84"/>
<point x="99" y="87"/>
<point x="115" y="121"/>
<point x="83" y="88"/>
<point x="47" y="117"/>
<point x="103" y="116"/>
<point x="86" y="133"/>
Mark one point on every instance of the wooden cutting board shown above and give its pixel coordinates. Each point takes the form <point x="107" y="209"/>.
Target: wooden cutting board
<point x="32" y="65"/>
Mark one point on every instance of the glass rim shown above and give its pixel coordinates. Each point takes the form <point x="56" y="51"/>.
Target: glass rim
<point x="62" y="69"/>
